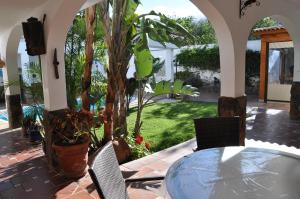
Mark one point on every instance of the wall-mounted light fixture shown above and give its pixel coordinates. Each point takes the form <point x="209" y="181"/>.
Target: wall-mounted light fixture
<point x="2" y="63"/>
<point x="244" y="4"/>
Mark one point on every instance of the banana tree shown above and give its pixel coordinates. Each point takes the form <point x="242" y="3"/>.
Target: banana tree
<point x="126" y="35"/>
<point x="90" y="16"/>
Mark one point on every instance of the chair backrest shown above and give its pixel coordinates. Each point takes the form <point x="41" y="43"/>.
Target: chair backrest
<point x="217" y="132"/>
<point x="107" y="176"/>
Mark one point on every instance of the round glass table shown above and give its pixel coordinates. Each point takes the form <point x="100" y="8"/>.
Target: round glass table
<point x="235" y="173"/>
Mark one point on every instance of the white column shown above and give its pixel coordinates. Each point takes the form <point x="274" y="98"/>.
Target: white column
<point x="232" y="60"/>
<point x="55" y="95"/>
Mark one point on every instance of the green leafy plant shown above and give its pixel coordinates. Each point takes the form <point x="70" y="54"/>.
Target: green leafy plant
<point x="202" y="29"/>
<point x="73" y="128"/>
<point x="203" y="58"/>
<point x="139" y="148"/>
<point x="126" y="35"/>
<point x="98" y="90"/>
<point x="146" y="92"/>
<point x="96" y="141"/>
<point x="208" y="59"/>
<point x="75" y="57"/>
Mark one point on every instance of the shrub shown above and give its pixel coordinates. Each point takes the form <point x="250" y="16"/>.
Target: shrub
<point x="209" y="59"/>
<point x="201" y="58"/>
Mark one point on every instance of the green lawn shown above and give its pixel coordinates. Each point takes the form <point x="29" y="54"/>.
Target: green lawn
<point x="168" y="124"/>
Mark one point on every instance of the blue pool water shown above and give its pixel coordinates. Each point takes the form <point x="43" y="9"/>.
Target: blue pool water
<point x="26" y="111"/>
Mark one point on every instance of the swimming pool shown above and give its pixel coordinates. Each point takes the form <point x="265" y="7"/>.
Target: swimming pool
<point x="27" y="110"/>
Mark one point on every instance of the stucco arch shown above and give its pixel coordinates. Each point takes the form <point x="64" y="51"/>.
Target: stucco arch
<point x="10" y="71"/>
<point x="287" y="14"/>
<point x="294" y="31"/>
<point x="228" y="61"/>
<point x="59" y="20"/>
<point x="9" y="50"/>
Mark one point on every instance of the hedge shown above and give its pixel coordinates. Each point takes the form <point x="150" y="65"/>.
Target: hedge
<point x="208" y="59"/>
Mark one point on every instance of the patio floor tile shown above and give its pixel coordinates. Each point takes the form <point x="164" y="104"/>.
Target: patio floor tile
<point x="24" y="173"/>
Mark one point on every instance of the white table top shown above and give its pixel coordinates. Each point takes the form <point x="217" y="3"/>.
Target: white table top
<point x="235" y="173"/>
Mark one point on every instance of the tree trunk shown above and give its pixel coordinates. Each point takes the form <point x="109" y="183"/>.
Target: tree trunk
<point x="115" y="38"/>
<point x="90" y="15"/>
<point x="138" y="123"/>
<point x="116" y="113"/>
<point x="109" y="108"/>
<point x="123" y="106"/>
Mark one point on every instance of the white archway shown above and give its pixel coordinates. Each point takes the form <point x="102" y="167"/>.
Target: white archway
<point x="229" y="50"/>
<point x="10" y="71"/>
<point x="57" y="24"/>
<point x="11" y="75"/>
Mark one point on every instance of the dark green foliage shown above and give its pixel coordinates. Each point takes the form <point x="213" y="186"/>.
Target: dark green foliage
<point x="75" y="56"/>
<point x="202" y="58"/>
<point x="205" y="34"/>
<point x="252" y="65"/>
<point x="201" y="29"/>
<point x="98" y="89"/>
<point x="208" y="59"/>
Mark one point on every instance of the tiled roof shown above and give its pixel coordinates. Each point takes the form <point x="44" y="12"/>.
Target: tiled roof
<point x="268" y="29"/>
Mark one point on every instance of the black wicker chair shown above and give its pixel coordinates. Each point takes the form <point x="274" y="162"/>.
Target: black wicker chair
<point x="107" y="176"/>
<point x="217" y="132"/>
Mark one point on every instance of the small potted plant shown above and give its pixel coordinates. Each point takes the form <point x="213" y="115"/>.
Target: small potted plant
<point x="35" y="132"/>
<point x="26" y="122"/>
<point x="34" y="125"/>
<point x="71" y="142"/>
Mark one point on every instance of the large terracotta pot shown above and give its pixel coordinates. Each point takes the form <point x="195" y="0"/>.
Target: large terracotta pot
<point x="72" y="159"/>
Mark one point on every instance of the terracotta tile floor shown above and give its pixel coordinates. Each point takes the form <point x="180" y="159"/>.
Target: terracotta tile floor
<point x="273" y="125"/>
<point x="25" y="175"/>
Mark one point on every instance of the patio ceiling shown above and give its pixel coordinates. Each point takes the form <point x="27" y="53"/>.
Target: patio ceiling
<point x="15" y="11"/>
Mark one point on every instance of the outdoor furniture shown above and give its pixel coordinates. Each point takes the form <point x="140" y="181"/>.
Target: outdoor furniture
<point x="234" y="173"/>
<point x="107" y="176"/>
<point x="217" y="132"/>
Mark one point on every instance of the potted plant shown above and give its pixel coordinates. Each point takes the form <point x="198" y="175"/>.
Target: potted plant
<point x="34" y="117"/>
<point x="71" y="142"/>
<point x="26" y="122"/>
<point x="35" y="132"/>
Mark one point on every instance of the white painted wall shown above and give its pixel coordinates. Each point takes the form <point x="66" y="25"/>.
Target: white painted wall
<point x="279" y="92"/>
<point x="166" y="73"/>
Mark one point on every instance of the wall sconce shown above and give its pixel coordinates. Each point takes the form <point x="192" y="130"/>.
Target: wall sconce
<point x="244" y="4"/>
<point x="2" y="63"/>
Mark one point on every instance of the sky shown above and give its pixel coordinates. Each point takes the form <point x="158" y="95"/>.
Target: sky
<point x="178" y="8"/>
